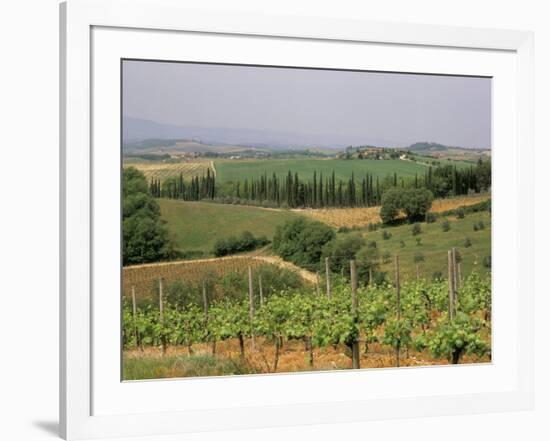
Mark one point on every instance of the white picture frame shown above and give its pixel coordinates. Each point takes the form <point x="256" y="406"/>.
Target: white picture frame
<point x="84" y="388"/>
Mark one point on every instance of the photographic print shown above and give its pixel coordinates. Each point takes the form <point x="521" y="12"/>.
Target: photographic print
<point x="288" y="219"/>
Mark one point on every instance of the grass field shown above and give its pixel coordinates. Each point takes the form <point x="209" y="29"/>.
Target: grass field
<point x="434" y="245"/>
<point x="237" y="170"/>
<point x="163" y="170"/>
<point x="196" y="226"/>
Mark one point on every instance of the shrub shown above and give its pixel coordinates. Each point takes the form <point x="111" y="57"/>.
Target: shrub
<point x="371" y="244"/>
<point x="301" y="241"/>
<point x="402" y="244"/>
<point x="437" y="276"/>
<point x="418" y="241"/>
<point x="460" y="213"/>
<point x="486" y="262"/>
<point x="418" y="257"/>
<point x="341" y="250"/>
<point x="386" y="257"/>
<point x="274" y="279"/>
<point x="238" y="244"/>
<point x="372" y="227"/>
<point x="431" y="218"/>
<point x="467" y="242"/>
<point x="445" y="225"/>
<point x="416" y="229"/>
<point x="344" y="229"/>
<point x="368" y="259"/>
<point x="386" y="235"/>
<point x="479" y="225"/>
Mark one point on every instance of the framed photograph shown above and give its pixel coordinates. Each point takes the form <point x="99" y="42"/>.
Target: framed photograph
<point x="298" y="219"/>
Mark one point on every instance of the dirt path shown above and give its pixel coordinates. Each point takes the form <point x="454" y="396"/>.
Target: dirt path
<point x="308" y="276"/>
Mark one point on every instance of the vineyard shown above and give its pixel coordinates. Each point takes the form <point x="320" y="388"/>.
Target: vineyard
<point x="144" y="278"/>
<point x="334" y="324"/>
<point x="163" y="170"/>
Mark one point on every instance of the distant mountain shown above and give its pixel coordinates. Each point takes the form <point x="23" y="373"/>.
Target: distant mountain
<point x="436" y="147"/>
<point x="136" y="131"/>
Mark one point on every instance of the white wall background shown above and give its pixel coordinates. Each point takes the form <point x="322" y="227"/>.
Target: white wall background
<point x="29" y="205"/>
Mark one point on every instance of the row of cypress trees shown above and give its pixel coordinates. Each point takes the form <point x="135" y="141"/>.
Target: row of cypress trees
<point x="203" y="187"/>
<point x="322" y="191"/>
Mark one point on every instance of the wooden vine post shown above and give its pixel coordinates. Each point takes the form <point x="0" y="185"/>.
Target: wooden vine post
<point x="355" y="355"/>
<point x="251" y="304"/>
<point x="451" y="284"/>
<point x="261" y="290"/>
<point x="398" y="305"/>
<point x="134" y="314"/>
<point x="161" y="316"/>
<point x="327" y="274"/>
<point x="459" y="275"/>
<point x="455" y="281"/>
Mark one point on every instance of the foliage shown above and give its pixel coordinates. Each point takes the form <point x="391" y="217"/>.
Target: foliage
<point x="413" y="202"/>
<point x="455" y="338"/>
<point x="301" y="241"/>
<point x="341" y="250"/>
<point x="302" y="314"/>
<point x="144" y="235"/>
<point x="445" y="225"/>
<point x="431" y="218"/>
<point x="238" y="244"/>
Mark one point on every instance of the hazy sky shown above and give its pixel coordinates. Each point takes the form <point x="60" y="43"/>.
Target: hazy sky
<point x="375" y="108"/>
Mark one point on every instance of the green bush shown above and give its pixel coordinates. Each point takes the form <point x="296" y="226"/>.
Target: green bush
<point x="460" y="213"/>
<point x="431" y="218"/>
<point x="386" y="235"/>
<point x="342" y="249"/>
<point x="301" y="241"/>
<point x="238" y="244"/>
<point x="467" y="242"/>
<point x="418" y="257"/>
<point x="416" y="229"/>
<point x="445" y="225"/>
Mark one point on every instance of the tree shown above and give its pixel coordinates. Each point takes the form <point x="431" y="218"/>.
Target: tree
<point x="416" y="202"/>
<point x="413" y="202"/>
<point x="391" y="205"/>
<point x="144" y="235"/>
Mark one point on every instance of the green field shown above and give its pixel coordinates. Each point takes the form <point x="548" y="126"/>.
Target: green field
<point x="237" y="170"/>
<point x="196" y="226"/>
<point x="434" y="245"/>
